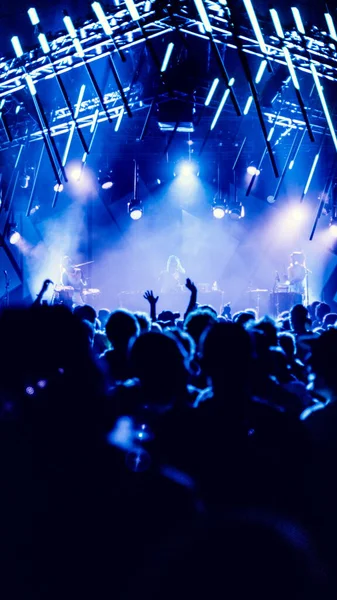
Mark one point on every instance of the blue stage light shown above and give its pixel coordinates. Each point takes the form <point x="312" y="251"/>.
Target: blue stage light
<point x="203" y="15"/>
<point x="219" y="109"/>
<point x="248" y="105"/>
<point x="331" y="26"/>
<point x="17" y="46"/>
<point x="255" y="24"/>
<point x="101" y="16"/>
<point x="260" y="71"/>
<point x="298" y="20"/>
<point x="167" y="57"/>
<point x="44" y="43"/>
<point x="34" y="17"/>
<point x="130" y="5"/>
<point x="211" y="91"/>
<point x="186" y="168"/>
<point x="277" y="23"/>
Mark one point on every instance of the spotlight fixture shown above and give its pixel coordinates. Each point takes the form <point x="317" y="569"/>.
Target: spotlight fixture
<point x="271" y="199"/>
<point x="236" y="212"/>
<point x="333" y="228"/>
<point x="135" y="206"/>
<point x="58" y="187"/>
<point x="24" y="181"/>
<point x="251" y="170"/>
<point x="219" y="210"/>
<point x="13" y="234"/>
<point x="186" y="168"/>
<point x="34" y="209"/>
<point x="135" y="209"/>
<point x="106" y="182"/>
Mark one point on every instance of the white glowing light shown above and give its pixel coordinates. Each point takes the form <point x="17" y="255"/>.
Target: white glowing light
<point x="136" y="214"/>
<point x="277" y="22"/>
<point x="34" y="17"/>
<point x="17" y="46"/>
<point x="101" y="16"/>
<point x="75" y="173"/>
<point x="58" y="187"/>
<point x="260" y="71"/>
<point x="15" y="237"/>
<point x="70" y="26"/>
<point x="167" y="57"/>
<point x="211" y="91"/>
<point x="324" y="104"/>
<point x="203" y="15"/>
<point x="298" y="20"/>
<point x="297" y="213"/>
<point x="251" y="170"/>
<point x="333" y="230"/>
<point x="219" y="109"/>
<point x="31" y="85"/>
<point x="219" y="212"/>
<point x="44" y="43"/>
<point x="255" y="24"/>
<point x="311" y="174"/>
<point x="130" y="5"/>
<point x="291" y="68"/>
<point x="331" y="26"/>
<point x="106" y="185"/>
<point x="248" y="105"/>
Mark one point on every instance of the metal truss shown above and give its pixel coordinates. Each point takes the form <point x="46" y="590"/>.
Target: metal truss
<point x="158" y="20"/>
<point x="317" y="47"/>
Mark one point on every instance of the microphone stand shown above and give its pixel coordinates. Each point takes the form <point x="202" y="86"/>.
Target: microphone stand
<point x="307" y="271"/>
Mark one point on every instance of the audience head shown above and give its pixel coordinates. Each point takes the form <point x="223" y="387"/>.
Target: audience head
<point x="324" y="349"/>
<point x="268" y="327"/>
<point x="159" y="361"/>
<point x="168" y="317"/>
<point x="288" y="344"/>
<point x="103" y="315"/>
<point x="89" y="331"/>
<point x="144" y="321"/>
<point x="209" y="308"/>
<point x="185" y="340"/>
<point x="244" y="317"/>
<point x="86" y="313"/>
<point x="278" y="365"/>
<point x="101" y="343"/>
<point x="122" y="327"/>
<point x="197" y="322"/>
<point x="299" y="318"/>
<point x="227" y="356"/>
<point x="312" y="309"/>
<point x="322" y="309"/>
<point x="329" y="320"/>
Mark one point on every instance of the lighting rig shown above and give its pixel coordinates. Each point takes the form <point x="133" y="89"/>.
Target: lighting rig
<point x="109" y="35"/>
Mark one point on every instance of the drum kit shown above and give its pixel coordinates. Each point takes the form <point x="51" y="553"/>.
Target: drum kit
<point x="66" y="294"/>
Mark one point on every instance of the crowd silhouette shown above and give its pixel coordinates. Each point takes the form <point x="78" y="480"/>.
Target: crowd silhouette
<point x="168" y="456"/>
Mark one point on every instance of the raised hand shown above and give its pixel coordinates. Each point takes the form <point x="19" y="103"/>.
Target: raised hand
<point x="46" y="284"/>
<point x="152" y="300"/>
<point x="190" y="286"/>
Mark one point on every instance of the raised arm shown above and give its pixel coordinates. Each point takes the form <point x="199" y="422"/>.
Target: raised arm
<point x="41" y="293"/>
<point x="193" y="299"/>
<point x="152" y="300"/>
